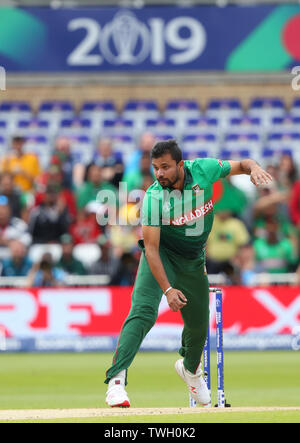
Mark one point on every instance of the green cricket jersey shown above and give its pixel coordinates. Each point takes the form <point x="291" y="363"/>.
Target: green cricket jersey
<point x="186" y="217"/>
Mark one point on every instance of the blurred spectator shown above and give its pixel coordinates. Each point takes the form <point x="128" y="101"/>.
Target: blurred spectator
<point x="107" y="264"/>
<point x="24" y="166"/>
<point x="230" y="274"/>
<point x="287" y="172"/>
<point x="147" y="181"/>
<point x="54" y="177"/>
<point x="66" y="160"/>
<point x="137" y="195"/>
<point x="49" y="220"/>
<point x="105" y="157"/>
<point x="294" y="204"/>
<point x="85" y="229"/>
<point x="126" y="271"/>
<point x="11" y="228"/>
<point x="18" y="264"/>
<point x="227" y="236"/>
<point x="125" y="234"/>
<point x="94" y="184"/>
<point x="146" y="143"/>
<point x="45" y="274"/>
<point x="104" y="154"/>
<point x="135" y="178"/>
<point x="273" y="170"/>
<point x="271" y="203"/>
<point x="274" y="253"/>
<point x="246" y="266"/>
<point x="15" y="197"/>
<point x="68" y="262"/>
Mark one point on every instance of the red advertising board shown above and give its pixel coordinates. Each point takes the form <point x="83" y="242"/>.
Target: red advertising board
<point x="101" y="311"/>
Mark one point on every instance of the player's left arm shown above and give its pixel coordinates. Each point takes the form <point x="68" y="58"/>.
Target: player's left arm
<point x="258" y="175"/>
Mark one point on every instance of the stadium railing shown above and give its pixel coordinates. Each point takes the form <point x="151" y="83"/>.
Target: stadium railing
<point x="262" y="279"/>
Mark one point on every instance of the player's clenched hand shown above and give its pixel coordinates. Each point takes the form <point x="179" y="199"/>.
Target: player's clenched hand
<point x="176" y="299"/>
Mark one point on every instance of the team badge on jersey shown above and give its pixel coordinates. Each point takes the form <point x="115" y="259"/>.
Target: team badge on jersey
<point x="196" y="189"/>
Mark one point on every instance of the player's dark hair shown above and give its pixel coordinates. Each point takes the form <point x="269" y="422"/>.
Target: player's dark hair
<point x="167" y="147"/>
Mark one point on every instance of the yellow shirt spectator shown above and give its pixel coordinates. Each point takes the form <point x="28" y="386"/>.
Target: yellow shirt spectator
<point x="227" y="235"/>
<point x="23" y="166"/>
<point x="24" y="169"/>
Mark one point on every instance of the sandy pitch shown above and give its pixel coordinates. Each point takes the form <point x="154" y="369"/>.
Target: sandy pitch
<point x="35" y="414"/>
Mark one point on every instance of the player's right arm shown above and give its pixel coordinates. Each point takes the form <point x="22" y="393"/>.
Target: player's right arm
<point x="151" y="234"/>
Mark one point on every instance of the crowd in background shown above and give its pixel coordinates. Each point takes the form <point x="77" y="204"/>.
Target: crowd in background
<point x="255" y="229"/>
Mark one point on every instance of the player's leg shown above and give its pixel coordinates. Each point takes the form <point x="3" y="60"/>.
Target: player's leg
<point x="146" y="298"/>
<point x="144" y="307"/>
<point x="196" y="317"/>
<point x="142" y="315"/>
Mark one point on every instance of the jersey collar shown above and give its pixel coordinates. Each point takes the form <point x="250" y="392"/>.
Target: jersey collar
<point x="188" y="179"/>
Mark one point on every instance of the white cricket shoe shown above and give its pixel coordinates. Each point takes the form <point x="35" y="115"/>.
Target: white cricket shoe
<point x="116" y="395"/>
<point x="195" y="382"/>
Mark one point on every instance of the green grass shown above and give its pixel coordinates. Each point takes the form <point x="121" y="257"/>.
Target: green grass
<point x="36" y="381"/>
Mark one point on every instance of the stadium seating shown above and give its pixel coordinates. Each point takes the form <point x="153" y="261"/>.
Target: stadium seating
<point x="5" y="127"/>
<point x="263" y="128"/>
<point x="224" y="110"/>
<point x="287" y="123"/>
<point x="270" y="154"/>
<point x="200" y="126"/>
<point x="140" y="111"/>
<point x="197" y="142"/>
<point x="10" y="111"/>
<point x="4" y="144"/>
<point x="98" y="110"/>
<point x="295" y="107"/>
<point x="162" y="126"/>
<point x="56" y="110"/>
<point x="266" y="108"/>
<point x="82" y="148"/>
<point x="246" y="124"/>
<point x="118" y="126"/>
<point x="181" y="111"/>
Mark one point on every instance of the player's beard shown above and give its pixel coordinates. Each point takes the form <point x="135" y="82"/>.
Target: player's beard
<point x="169" y="183"/>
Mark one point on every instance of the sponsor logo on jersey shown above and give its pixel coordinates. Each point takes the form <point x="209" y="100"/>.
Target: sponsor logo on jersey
<point x="194" y="215"/>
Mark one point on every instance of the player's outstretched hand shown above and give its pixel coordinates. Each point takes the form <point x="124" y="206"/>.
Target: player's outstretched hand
<point x="260" y="177"/>
<point x="176" y="299"/>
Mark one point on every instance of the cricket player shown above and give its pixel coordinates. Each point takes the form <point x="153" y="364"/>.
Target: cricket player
<point x="177" y="217"/>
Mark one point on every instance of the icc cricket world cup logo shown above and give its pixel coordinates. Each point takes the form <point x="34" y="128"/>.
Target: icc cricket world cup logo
<point x="125" y="40"/>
